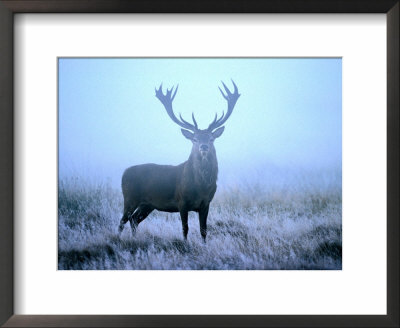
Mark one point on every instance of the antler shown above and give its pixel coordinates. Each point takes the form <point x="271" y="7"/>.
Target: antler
<point x="232" y="99"/>
<point x="166" y="100"/>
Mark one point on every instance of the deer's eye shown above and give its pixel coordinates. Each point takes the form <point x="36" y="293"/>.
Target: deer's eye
<point x="195" y="140"/>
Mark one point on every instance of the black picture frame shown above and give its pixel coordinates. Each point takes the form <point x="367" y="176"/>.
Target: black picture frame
<point x="10" y="7"/>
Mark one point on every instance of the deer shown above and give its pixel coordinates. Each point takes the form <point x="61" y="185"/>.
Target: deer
<point x="190" y="186"/>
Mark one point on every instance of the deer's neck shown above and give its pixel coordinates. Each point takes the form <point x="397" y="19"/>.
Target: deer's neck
<point x="205" y="170"/>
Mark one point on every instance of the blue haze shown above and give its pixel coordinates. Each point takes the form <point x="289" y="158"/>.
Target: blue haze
<point x="289" y="114"/>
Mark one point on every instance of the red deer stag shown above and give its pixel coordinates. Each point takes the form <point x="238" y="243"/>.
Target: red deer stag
<point x="189" y="186"/>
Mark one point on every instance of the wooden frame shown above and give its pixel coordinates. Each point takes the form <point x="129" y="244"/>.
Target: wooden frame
<point x="7" y="10"/>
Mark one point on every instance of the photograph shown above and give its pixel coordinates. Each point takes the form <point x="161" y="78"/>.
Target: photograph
<point x="186" y="163"/>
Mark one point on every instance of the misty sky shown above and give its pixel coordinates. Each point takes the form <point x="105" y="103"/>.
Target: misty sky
<point x="289" y="113"/>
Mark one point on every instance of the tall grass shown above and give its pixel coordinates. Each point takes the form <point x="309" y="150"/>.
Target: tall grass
<point x="292" y="223"/>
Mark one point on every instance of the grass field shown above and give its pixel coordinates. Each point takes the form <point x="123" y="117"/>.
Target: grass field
<point x="290" y="223"/>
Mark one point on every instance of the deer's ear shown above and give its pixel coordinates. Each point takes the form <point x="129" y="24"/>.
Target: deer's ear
<point x="187" y="134"/>
<point x="217" y="133"/>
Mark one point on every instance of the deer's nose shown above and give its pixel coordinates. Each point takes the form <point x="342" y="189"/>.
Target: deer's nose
<point x="203" y="147"/>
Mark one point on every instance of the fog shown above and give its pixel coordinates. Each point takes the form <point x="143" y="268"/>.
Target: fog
<point x="289" y="114"/>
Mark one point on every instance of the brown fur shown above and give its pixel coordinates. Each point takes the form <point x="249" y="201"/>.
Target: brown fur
<point x="189" y="186"/>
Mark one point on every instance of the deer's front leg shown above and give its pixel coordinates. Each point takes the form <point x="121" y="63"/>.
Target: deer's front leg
<point x="185" y="226"/>
<point x="203" y="213"/>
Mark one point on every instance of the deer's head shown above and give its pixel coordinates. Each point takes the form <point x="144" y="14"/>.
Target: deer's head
<point x="203" y="140"/>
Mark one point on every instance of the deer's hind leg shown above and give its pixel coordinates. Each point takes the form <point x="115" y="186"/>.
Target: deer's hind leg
<point x="129" y="211"/>
<point x="141" y="213"/>
<point x="124" y="219"/>
<point x="185" y="227"/>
